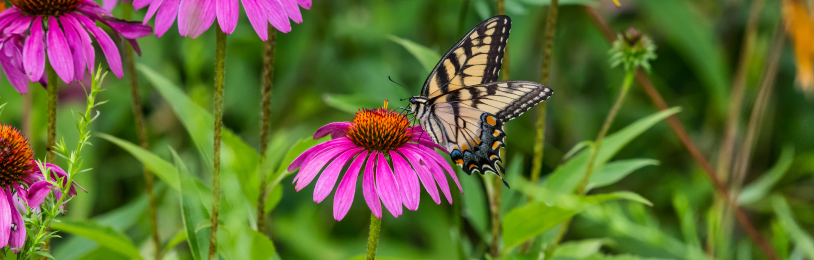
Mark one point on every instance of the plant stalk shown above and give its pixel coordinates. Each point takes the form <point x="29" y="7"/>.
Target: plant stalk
<point x="220" y="62"/>
<point x="373" y="238"/>
<point x="50" y="156"/>
<point x="497" y="185"/>
<point x="141" y="131"/>
<point x="548" y="46"/>
<point x="265" y="124"/>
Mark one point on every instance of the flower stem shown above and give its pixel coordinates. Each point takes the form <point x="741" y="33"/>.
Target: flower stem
<point x="220" y="58"/>
<point x="141" y="131"/>
<point x="265" y="123"/>
<point x="551" y="27"/>
<point x="494" y="207"/>
<point x="373" y="238"/>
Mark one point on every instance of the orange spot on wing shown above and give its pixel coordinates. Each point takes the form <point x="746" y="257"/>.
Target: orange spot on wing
<point x="491" y="120"/>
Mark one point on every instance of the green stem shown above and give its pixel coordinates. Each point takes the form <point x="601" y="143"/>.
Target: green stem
<point x="141" y="131"/>
<point x="551" y="27"/>
<point x="265" y="123"/>
<point x="373" y="238"/>
<point x="220" y="58"/>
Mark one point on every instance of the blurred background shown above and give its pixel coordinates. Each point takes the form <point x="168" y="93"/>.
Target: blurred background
<point x="339" y="60"/>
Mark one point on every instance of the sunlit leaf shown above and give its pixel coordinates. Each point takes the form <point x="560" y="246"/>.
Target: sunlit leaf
<point x="616" y="170"/>
<point x="242" y="242"/>
<point x="104" y="235"/>
<point x="274" y="197"/>
<point x="426" y="56"/>
<point x="192" y="211"/>
<point x="579" y="249"/>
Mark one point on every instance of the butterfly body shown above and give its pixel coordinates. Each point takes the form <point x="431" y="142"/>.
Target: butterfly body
<point x="463" y="107"/>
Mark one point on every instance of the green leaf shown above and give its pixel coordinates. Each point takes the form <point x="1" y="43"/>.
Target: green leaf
<point x="621" y="257"/>
<point x="273" y="199"/>
<point x="104" y="235"/>
<point x="426" y="56"/>
<point x="363" y="257"/>
<point x="528" y="221"/>
<point x="615" y="171"/>
<point x="300" y="147"/>
<point x="801" y="239"/>
<point x="759" y="188"/>
<point x="179" y="237"/>
<point x="567" y="176"/>
<point x="350" y="103"/>
<point x="579" y="249"/>
<point x="561" y="2"/>
<point x="687" y="220"/>
<point x="780" y="241"/>
<point x="242" y="242"/>
<point x="160" y="167"/>
<point x="192" y="211"/>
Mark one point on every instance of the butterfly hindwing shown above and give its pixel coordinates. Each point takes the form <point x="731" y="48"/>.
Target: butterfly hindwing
<point x="475" y="59"/>
<point x="485" y="157"/>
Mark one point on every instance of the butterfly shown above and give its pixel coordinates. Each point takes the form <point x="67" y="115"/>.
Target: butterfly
<point x="462" y="105"/>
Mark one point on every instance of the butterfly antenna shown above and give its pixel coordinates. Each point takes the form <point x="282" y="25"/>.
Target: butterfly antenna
<point x="405" y="88"/>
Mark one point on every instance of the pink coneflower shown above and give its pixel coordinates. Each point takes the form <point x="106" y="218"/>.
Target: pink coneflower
<point x="63" y="30"/>
<point x="19" y="174"/>
<point x="196" y="16"/>
<point x="381" y="137"/>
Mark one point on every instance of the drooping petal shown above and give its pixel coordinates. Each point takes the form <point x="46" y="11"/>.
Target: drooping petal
<point x="154" y="5"/>
<point x="276" y="14"/>
<point x="443" y="162"/>
<point x="86" y="44"/>
<point x="309" y="171"/>
<point x="77" y="50"/>
<point x="369" y="186"/>
<point x="387" y="187"/>
<point x="195" y="17"/>
<point x="435" y="169"/>
<point x="8" y="16"/>
<point x="59" y="54"/>
<point x="135" y="46"/>
<point x="257" y="17"/>
<point x="165" y="17"/>
<point x="34" y="51"/>
<point x="303" y="158"/>
<point x="336" y="130"/>
<point x="114" y="59"/>
<point x="292" y="10"/>
<point x="19" y="25"/>
<point x="305" y="4"/>
<point x="343" y="198"/>
<point x="227" y="12"/>
<point x="326" y="181"/>
<point x="5" y="219"/>
<point x="17" y="237"/>
<point x="423" y="173"/>
<point x="407" y="181"/>
<point x="128" y="29"/>
<point x="12" y="67"/>
<point x="37" y="193"/>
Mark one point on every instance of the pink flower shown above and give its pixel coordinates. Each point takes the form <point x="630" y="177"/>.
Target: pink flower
<point x="374" y="140"/>
<point x="196" y="16"/>
<point x="63" y="31"/>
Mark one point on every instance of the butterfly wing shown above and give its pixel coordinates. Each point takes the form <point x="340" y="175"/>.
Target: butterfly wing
<point x="475" y="59"/>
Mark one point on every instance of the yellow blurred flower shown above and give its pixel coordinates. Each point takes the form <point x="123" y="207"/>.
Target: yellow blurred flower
<point x="617" y="3"/>
<point x="800" y="27"/>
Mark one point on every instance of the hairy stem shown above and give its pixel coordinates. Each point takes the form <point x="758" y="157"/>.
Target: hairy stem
<point x="220" y="58"/>
<point x="50" y="156"/>
<point x="265" y="124"/>
<point x="373" y="238"/>
<point x="548" y="46"/>
<point x="141" y="131"/>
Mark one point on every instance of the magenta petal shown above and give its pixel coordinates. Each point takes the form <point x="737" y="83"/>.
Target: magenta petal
<point x="110" y="4"/>
<point x="195" y="17"/>
<point x="59" y="54"/>
<point x="257" y="17"/>
<point x="8" y="16"/>
<point x="407" y="181"/>
<point x="11" y="62"/>
<point x="369" y="186"/>
<point x="114" y="59"/>
<point x="227" y="12"/>
<point x="165" y="17"/>
<point x="154" y="5"/>
<point x="336" y="130"/>
<point x="134" y="44"/>
<point x="387" y="187"/>
<point x="292" y="10"/>
<point x="435" y="169"/>
<point x="276" y="15"/>
<point x="423" y="173"/>
<point x="37" y="193"/>
<point x="304" y="157"/>
<point x="17" y="238"/>
<point x="138" y="4"/>
<point x="5" y="219"/>
<point x="309" y="171"/>
<point x="18" y="25"/>
<point x="326" y="181"/>
<point x="77" y="50"/>
<point x="34" y="51"/>
<point x="347" y="188"/>
<point x="443" y="162"/>
<point x="305" y="4"/>
<point x="128" y="29"/>
<point x="86" y="42"/>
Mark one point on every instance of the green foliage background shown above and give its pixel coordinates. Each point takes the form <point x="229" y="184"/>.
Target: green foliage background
<point x="338" y="60"/>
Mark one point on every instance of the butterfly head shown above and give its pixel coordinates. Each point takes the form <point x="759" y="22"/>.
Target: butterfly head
<point x="417" y="104"/>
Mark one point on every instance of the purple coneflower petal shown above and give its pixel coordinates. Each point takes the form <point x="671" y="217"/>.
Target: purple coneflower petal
<point x="8" y="16"/>
<point x="309" y="171"/>
<point x="423" y="173"/>
<point x="128" y="29"/>
<point x="138" y="4"/>
<point x="305" y="156"/>
<point x="135" y="46"/>
<point x="110" y="4"/>
<point x="227" y="12"/>
<point x="387" y="187"/>
<point x="19" y="25"/>
<point x="37" y="193"/>
<point x="14" y="72"/>
<point x="343" y="198"/>
<point x="327" y="180"/>
<point x="257" y="17"/>
<point x="165" y="17"/>
<point x="443" y="162"/>
<point x="5" y="218"/>
<point x="154" y="5"/>
<point x="34" y="51"/>
<point x="336" y="130"/>
<point x="77" y="50"/>
<point x="435" y="169"/>
<point x="369" y="186"/>
<point x="59" y="54"/>
<point x="114" y="59"/>
<point x="195" y="17"/>
<point x="86" y="43"/>
<point x="17" y="238"/>
<point x="276" y="15"/>
<point x="305" y="4"/>
<point x="407" y="181"/>
<point x="292" y="10"/>
<point x="92" y="9"/>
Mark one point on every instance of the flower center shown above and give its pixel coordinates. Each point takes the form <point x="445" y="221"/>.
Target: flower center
<point x="380" y="129"/>
<point x="46" y="7"/>
<point x="15" y="156"/>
